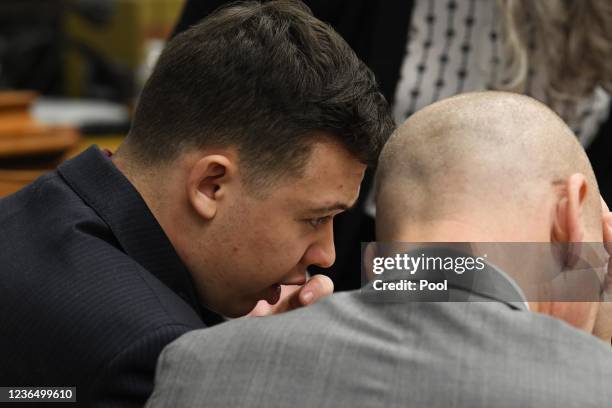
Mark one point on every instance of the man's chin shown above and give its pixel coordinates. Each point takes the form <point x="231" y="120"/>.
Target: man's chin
<point x="238" y="309"/>
<point x="258" y="305"/>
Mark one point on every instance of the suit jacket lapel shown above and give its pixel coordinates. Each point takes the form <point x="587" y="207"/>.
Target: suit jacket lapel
<point x="108" y="192"/>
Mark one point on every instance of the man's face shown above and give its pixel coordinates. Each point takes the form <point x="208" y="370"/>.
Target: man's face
<point x="261" y="243"/>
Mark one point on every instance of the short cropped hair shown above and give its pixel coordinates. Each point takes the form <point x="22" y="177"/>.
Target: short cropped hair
<point x="265" y="78"/>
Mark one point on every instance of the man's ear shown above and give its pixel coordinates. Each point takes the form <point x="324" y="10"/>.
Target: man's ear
<point x="568" y="223"/>
<point x="207" y="183"/>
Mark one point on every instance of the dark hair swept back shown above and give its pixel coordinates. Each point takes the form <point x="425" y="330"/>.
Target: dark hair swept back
<point x="264" y="77"/>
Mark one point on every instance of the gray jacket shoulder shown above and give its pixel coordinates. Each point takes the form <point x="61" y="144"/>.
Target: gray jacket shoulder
<point x="346" y="351"/>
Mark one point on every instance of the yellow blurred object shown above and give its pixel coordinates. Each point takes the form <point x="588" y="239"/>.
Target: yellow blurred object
<point x="123" y="40"/>
<point x="18" y="101"/>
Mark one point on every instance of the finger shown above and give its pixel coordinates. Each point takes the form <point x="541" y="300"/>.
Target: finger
<point x="316" y="288"/>
<point x="262" y="308"/>
<point x="294" y="296"/>
<point x="288" y="298"/>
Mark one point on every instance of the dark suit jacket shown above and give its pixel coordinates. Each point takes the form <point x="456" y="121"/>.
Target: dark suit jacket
<point x="91" y="289"/>
<point x="378" y="30"/>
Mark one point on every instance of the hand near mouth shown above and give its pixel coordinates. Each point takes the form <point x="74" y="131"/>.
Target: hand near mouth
<point x="291" y="297"/>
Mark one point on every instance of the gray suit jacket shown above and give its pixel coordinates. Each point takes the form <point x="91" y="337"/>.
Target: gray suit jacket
<point x="348" y="351"/>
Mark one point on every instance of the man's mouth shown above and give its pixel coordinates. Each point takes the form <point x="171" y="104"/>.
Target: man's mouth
<point x="300" y="279"/>
<point x="273" y="293"/>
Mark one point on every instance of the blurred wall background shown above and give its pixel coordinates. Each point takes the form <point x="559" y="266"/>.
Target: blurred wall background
<point x="72" y="67"/>
<point x="82" y="48"/>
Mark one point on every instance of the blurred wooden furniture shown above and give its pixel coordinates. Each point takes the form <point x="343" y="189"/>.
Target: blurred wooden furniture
<point x="28" y="148"/>
<point x="14" y="180"/>
<point x="21" y="135"/>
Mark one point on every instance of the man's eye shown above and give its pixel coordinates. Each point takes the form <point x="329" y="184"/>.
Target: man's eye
<point x="315" y="222"/>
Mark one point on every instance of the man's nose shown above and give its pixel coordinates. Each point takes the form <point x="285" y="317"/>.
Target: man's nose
<point x="322" y="252"/>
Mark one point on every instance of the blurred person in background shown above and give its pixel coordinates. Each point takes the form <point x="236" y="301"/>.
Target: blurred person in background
<point x="556" y="51"/>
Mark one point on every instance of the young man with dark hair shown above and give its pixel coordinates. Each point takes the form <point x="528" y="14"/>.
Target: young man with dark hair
<point x="252" y="133"/>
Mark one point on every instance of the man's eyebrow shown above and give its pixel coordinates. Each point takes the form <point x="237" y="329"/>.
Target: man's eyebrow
<point x="332" y="207"/>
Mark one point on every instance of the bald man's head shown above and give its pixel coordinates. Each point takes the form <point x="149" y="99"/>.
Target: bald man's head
<point x="491" y="158"/>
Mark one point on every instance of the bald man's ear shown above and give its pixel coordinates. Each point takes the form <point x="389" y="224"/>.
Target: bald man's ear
<point x="568" y="223"/>
<point x="207" y="183"/>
